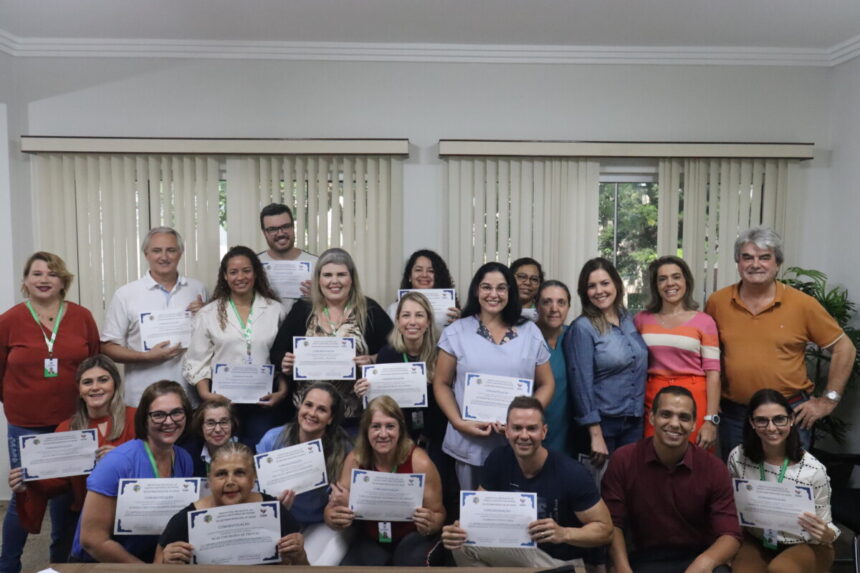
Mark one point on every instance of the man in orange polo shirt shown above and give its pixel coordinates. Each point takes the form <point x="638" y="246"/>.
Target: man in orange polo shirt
<point x="764" y="328"/>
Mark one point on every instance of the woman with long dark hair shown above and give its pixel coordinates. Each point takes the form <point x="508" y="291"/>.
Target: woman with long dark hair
<point x="238" y="326"/>
<point x="771" y="451"/>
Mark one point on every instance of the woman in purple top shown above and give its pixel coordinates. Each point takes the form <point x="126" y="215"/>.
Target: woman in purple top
<point x="491" y="338"/>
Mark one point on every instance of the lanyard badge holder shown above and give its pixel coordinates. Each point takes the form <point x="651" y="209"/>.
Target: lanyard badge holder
<point x="770" y="537"/>
<point x="51" y="368"/>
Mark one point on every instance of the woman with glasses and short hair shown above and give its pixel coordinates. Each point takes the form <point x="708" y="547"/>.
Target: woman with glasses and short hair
<point x="529" y="276"/>
<point x="771" y="451"/>
<point x="214" y="424"/>
<point x="158" y="423"/>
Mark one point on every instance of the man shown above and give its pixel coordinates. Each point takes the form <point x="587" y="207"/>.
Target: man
<point x="673" y="497"/>
<point x="764" y="328"/>
<point x="276" y="221"/>
<point x="161" y="288"/>
<point x="571" y="515"/>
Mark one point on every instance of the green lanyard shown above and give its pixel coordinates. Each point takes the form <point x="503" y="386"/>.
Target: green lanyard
<point x="405" y="357"/>
<point x="245" y="326"/>
<point x="152" y="460"/>
<point x="331" y="324"/>
<point x="781" y="475"/>
<point x="48" y="341"/>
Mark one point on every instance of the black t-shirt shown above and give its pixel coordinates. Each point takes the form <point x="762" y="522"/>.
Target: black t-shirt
<point x="563" y="487"/>
<point x="177" y="527"/>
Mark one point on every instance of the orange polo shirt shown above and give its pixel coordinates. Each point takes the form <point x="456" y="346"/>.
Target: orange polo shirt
<point x="766" y="350"/>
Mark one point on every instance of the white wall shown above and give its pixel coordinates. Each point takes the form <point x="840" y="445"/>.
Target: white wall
<point x="428" y="102"/>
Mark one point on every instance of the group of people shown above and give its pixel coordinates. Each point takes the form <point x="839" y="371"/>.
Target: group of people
<point x="657" y="396"/>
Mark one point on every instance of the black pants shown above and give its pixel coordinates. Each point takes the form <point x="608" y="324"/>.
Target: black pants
<point x="668" y="560"/>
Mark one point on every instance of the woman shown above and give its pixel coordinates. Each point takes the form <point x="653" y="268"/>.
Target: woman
<point x="425" y="269"/>
<point x="683" y="346"/>
<point x="384" y="446"/>
<point x="491" y="338"/>
<point x="771" y="451"/>
<point x="158" y="423"/>
<point x="319" y="417"/>
<point x="607" y="363"/>
<point x="214" y="423"/>
<point x="337" y="308"/>
<point x="238" y="327"/>
<point x="553" y="306"/>
<point x="231" y="477"/>
<point x="42" y="342"/>
<point x="99" y="407"/>
<point x="529" y="276"/>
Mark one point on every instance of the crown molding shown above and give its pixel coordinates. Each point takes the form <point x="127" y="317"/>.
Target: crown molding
<point x="441" y="53"/>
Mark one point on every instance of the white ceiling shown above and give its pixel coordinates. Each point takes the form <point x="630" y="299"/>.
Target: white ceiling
<point x="806" y="27"/>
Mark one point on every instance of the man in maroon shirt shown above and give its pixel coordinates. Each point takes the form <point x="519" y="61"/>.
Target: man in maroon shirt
<point x="674" y="498"/>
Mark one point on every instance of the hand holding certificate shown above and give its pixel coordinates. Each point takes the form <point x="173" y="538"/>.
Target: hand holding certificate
<point x="324" y="358"/>
<point x="286" y="277"/>
<point x="405" y="382"/>
<point x="243" y="383"/>
<point x="498" y="519"/>
<point x="300" y="468"/>
<point x="486" y="397"/>
<point x="383" y="496"/>
<point x="173" y="326"/>
<point x="59" y="454"/>
<point x="243" y="534"/>
<point x="144" y="506"/>
<point x="771" y="505"/>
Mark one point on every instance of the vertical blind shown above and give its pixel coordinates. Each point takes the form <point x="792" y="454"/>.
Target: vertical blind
<point x="500" y="209"/>
<point x="706" y="203"/>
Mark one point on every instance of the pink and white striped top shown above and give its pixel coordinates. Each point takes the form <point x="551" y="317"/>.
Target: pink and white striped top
<point x="687" y="350"/>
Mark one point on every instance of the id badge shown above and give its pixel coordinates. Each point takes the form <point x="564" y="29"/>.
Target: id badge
<point x="769" y="540"/>
<point x="52" y="368"/>
<point x="248" y="359"/>
<point x="418" y="419"/>
<point x="385" y="532"/>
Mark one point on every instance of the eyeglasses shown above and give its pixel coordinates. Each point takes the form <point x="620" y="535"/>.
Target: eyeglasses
<point x="522" y="277"/>
<point x="160" y="417"/>
<point x="762" y="422"/>
<point x="212" y="424"/>
<point x="487" y="288"/>
<point x="282" y="228"/>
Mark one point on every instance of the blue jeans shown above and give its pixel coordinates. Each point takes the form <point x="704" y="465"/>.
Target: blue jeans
<point x="733" y="418"/>
<point x="14" y="535"/>
<point x="621" y="430"/>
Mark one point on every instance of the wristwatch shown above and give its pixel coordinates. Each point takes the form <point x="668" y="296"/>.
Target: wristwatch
<point x="715" y="419"/>
<point x="833" y="396"/>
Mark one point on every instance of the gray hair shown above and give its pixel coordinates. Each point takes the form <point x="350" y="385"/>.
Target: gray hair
<point x="763" y="238"/>
<point x="162" y="231"/>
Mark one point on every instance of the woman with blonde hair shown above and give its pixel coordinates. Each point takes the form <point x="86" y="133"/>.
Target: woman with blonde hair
<point x="337" y="308"/>
<point x="42" y="342"/>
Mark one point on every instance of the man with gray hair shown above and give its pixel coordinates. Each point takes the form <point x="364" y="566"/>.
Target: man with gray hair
<point x="764" y="329"/>
<point x="161" y="289"/>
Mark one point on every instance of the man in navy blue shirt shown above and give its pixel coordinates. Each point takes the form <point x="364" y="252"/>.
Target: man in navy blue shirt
<point x="571" y="515"/>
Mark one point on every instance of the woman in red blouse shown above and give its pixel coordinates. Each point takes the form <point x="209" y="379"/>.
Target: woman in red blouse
<point x="42" y="342"/>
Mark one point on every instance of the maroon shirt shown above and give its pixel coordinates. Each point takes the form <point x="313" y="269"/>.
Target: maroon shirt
<point x="690" y="505"/>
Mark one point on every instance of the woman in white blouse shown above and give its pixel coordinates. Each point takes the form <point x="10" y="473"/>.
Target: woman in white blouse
<point x="771" y="451"/>
<point x="238" y="328"/>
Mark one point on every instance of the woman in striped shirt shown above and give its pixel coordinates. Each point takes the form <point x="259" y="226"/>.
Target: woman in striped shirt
<point x="683" y="345"/>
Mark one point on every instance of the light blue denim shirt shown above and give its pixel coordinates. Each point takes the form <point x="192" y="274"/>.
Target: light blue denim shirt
<point x="606" y="373"/>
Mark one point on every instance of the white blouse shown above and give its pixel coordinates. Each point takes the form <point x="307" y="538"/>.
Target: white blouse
<point x="210" y="344"/>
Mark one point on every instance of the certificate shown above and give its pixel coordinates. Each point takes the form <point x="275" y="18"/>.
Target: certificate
<point x="243" y="383"/>
<point x="286" y="277"/>
<point x="144" y="506"/>
<point x="173" y="326"/>
<point x="441" y="299"/>
<point x="384" y="496"/>
<point x="243" y="534"/>
<point x="486" y="397"/>
<point x="405" y="382"/>
<point x="300" y="468"/>
<point x="772" y="505"/>
<point x="324" y="358"/>
<point x="59" y="454"/>
<point x="498" y="518"/>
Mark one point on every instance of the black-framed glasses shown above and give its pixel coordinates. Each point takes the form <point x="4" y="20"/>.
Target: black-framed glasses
<point x="159" y="417"/>
<point x="212" y="424"/>
<point x="522" y="277"/>
<point x="762" y="422"/>
<point x="282" y="228"/>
